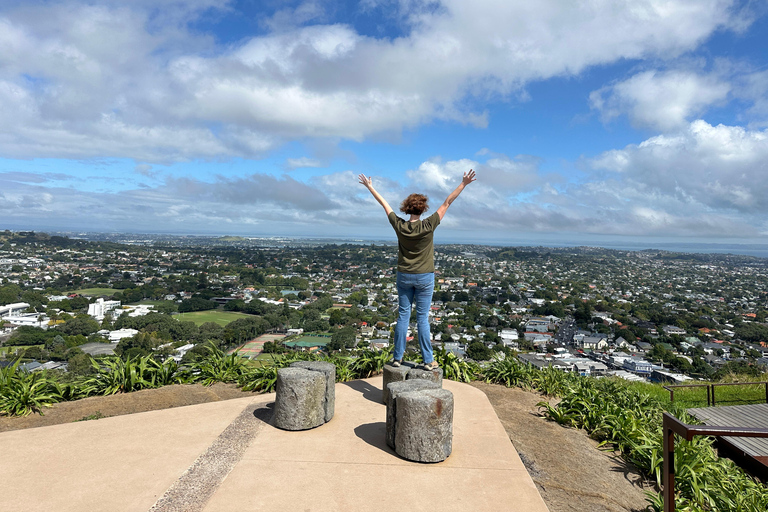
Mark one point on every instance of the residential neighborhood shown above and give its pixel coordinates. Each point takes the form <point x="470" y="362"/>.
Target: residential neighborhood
<point x="639" y="315"/>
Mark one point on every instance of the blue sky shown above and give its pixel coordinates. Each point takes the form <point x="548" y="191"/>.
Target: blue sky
<point x="585" y="120"/>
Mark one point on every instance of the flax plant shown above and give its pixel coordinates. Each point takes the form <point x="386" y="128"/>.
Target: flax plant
<point x="216" y="366"/>
<point x="454" y="367"/>
<point x="113" y="375"/>
<point x="22" y="393"/>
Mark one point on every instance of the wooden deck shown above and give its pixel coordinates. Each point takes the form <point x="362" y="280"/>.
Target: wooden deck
<point x="750" y="452"/>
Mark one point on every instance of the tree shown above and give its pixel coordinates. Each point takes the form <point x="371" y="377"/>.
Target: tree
<point x="337" y="317"/>
<point x="196" y="304"/>
<point x="271" y="347"/>
<point x="80" y="364"/>
<point x="343" y="338"/>
<point x="81" y="324"/>
<point x="34" y="353"/>
<point x="478" y="351"/>
<point x="9" y="294"/>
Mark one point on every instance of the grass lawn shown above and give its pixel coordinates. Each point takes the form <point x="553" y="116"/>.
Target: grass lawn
<point x="217" y="316"/>
<point x="697" y="397"/>
<point x="12" y="349"/>
<point x="95" y="291"/>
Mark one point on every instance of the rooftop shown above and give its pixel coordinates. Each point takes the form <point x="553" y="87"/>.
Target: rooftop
<point x="224" y="456"/>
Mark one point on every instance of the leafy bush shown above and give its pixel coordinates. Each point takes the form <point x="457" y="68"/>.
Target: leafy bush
<point x="626" y="419"/>
<point x="22" y="393"/>
<point x="371" y="362"/>
<point x="510" y="372"/>
<point x="113" y="375"/>
<point x="216" y="366"/>
<point x="454" y="367"/>
<point x="261" y="379"/>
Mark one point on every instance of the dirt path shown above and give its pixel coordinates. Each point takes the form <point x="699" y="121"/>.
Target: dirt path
<point x="570" y="472"/>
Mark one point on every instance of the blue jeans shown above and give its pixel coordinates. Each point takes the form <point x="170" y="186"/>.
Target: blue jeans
<point x="412" y="288"/>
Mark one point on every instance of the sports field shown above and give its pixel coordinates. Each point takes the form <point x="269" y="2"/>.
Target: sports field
<point x="91" y="292"/>
<point x="252" y="349"/>
<point x="214" y="315"/>
<point x="309" y="342"/>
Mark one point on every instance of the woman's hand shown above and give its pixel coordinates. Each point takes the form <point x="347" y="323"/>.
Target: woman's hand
<point x="469" y="177"/>
<point x="366" y="182"/>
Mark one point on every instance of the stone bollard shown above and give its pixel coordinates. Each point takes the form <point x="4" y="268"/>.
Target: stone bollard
<point x="435" y="375"/>
<point x="299" y="399"/>
<point x="394" y="390"/>
<point x="424" y="430"/>
<point x="392" y="374"/>
<point x="329" y="372"/>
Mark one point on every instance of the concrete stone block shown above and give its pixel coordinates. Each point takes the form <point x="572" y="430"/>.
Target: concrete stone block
<point x="392" y="374"/>
<point x="329" y="371"/>
<point x="424" y="427"/>
<point x="435" y="375"/>
<point x="299" y="399"/>
<point x="394" y="389"/>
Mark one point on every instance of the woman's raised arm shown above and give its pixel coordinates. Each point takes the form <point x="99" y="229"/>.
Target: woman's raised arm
<point x="367" y="182"/>
<point x="468" y="178"/>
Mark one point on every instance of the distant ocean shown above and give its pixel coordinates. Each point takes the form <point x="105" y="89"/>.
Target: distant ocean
<point x="757" y="250"/>
<point x="737" y="246"/>
<point x="744" y="249"/>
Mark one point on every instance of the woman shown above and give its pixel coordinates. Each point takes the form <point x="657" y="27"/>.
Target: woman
<point x="415" y="263"/>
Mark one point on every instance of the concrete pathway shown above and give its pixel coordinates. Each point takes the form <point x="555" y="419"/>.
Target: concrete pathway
<point x="223" y="456"/>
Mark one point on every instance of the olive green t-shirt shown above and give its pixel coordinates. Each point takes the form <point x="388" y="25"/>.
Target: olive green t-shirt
<point x="416" y="253"/>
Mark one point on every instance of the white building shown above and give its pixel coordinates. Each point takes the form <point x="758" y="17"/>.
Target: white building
<point x="139" y="310"/>
<point x="181" y="351"/>
<point x="13" y="309"/>
<point x="101" y="307"/>
<point x="637" y="366"/>
<point x="116" y="336"/>
<point x="509" y="337"/>
<point x="28" y="319"/>
<point x="537" y="324"/>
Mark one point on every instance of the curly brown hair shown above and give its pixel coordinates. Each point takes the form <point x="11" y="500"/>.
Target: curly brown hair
<point x="415" y="204"/>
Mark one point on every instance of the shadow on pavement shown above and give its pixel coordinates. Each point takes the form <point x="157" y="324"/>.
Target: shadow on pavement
<point x="369" y="391"/>
<point x="375" y="435"/>
<point x="264" y="413"/>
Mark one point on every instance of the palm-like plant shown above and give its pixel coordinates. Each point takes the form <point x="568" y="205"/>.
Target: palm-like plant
<point x="454" y="367"/>
<point x="509" y="372"/>
<point x="216" y="366"/>
<point x="371" y="362"/>
<point x="113" y="375"/>
<point x="22" y="393"/>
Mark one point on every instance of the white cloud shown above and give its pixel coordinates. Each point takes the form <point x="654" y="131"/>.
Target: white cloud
<point x="301" y="163"/>
<point x="704" y="181"/>
<point x="703" y="168"/>
<point x="753" y="87"/>
<point x="660" y="100"/>
<point x="127" y="80"/>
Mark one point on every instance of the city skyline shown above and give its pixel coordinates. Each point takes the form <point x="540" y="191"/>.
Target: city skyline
<point x="642" y="121"/>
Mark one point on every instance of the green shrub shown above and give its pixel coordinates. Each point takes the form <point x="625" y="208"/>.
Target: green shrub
<point x="371" y="362"/>
<point x="454" y="367"/>
<point x="623" y="417"/>
<point x="509" y="372"/>
<point x="113" y="375"/>
<point x="216" y="366"/>
<point x="22" y="393"/>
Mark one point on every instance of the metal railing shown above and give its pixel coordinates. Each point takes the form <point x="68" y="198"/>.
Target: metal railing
<point x="711" y="389"/>
<point x="672" y="426"/>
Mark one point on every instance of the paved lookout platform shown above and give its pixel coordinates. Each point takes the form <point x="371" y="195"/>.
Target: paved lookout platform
<point x="225" y="456"/>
